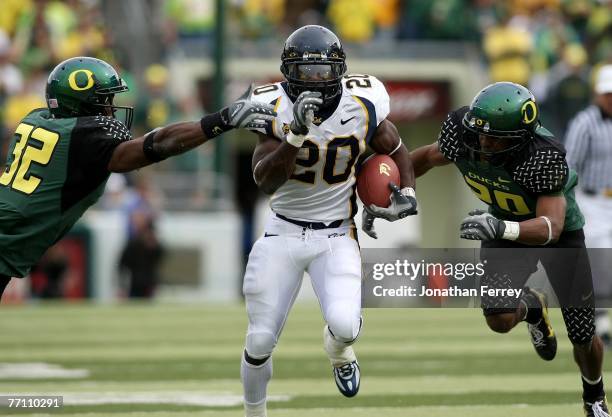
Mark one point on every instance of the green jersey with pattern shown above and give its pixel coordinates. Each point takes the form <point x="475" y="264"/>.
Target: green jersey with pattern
<point x="511" y="191"/>
<point x="55" y="170"/>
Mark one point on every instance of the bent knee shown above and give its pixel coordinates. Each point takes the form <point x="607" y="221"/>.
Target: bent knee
<point x="345" y="329"/>
<point x="260" y="345"/>
<point x="501" y="323"/>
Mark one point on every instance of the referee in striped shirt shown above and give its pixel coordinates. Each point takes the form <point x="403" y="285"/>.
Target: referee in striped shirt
<point x="589" y="151"/>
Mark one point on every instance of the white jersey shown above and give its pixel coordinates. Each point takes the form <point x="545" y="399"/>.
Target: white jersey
<point x="322" y="187"/>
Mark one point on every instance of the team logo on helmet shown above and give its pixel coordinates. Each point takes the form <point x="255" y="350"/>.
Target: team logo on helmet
<point x="529" y="112"/>
<point x="482" y="124"/>
<point x="81" y="79"/>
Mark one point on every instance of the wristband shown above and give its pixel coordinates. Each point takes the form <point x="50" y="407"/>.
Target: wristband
<point x="547" y="220"/>
<point x="295" y="140"/>
<point x="147" y="147"/>
<point x="512" y="230"/>
<point x="215" y="123"/>
<point x="408" y="192"/>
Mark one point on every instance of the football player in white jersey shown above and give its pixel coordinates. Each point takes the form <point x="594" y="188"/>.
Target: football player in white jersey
<point x="306" y="160"/>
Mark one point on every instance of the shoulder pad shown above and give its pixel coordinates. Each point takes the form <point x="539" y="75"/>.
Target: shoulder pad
<point x="449" y="139"/>
<point x="106" y="125"/>
<point x="267" y="93"/>
<point x="371" y="89"/>
<point x="545" y="171"/>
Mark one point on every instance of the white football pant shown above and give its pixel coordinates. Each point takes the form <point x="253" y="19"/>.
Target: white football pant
<point x="274" y="275"/>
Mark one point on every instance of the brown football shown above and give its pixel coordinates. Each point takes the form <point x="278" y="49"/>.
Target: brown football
<point x="373" y="180"/>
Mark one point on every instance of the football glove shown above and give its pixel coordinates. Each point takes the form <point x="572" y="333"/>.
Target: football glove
<point x="367" y="224"/>
<point x="246" y="114"/>
<point x="403" y="203"/>
<point x="303" y="111"/>
<point x="480" y="225"/>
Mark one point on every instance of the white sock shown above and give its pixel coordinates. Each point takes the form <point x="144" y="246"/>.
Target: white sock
<point x="339" y="353"/>
<point x="255" y="383"/>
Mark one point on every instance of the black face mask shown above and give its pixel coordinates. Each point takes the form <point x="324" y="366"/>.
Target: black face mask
<point x="309" y="75"/>
<point x="105" y="107"/>
<point x="496" y="158"/>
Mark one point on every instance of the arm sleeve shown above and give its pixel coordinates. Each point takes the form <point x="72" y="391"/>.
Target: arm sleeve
<point x="544" y="172"/>
<point x="577" y="143"/>
<point x="372" y="94"/>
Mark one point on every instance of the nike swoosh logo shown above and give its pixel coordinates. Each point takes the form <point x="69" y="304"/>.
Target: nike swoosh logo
<point x="343" y="122"/>
<point x="586" y="297"/>
<point x="269" y="235"/>
<point x="500" y="179"/>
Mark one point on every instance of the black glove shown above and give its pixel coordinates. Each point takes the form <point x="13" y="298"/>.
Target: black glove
<point x="480" y="225"/>
<point x="403" y="203"/>
<point x="303" y="111"/>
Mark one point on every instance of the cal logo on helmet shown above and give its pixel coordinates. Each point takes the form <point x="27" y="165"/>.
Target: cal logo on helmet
<point x="81" y="79"/>
<point x="529" y="111"/>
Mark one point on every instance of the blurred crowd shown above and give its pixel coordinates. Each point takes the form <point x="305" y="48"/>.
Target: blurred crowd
<point x="549" y="45"/>
<point x="34" y="37"/>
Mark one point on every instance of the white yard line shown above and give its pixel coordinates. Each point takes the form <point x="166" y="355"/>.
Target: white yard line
<point x="39" y="370"/>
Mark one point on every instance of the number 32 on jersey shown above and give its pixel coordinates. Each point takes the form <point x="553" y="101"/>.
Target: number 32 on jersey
<point x="25" y="154"/>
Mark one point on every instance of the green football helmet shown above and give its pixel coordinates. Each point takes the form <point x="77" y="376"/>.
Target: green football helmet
<point x="84" y="86"/>
<point x="505" y="112"/>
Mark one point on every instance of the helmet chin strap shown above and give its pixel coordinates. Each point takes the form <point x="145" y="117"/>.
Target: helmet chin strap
<point x="295" y="90"/>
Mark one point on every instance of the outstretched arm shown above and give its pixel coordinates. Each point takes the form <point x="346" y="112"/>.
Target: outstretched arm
<point x="165" y="142"/>
<point x="426" y="157"/>
<point x="180" y="137"/>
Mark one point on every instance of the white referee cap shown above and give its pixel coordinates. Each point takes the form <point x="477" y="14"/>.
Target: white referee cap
<point x="603" y="84"/>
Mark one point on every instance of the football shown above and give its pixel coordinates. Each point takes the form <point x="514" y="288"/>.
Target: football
<point x="373" y="180"/>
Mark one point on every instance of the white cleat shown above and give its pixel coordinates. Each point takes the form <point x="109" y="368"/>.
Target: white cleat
<point x="347" y="378"/>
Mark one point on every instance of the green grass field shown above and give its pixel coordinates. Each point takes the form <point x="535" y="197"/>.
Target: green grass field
<point x="168" y="360"/>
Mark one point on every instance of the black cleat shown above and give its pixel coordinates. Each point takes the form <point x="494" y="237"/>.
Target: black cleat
<point x="541" y="333"/>
<point x="598" y="408"/>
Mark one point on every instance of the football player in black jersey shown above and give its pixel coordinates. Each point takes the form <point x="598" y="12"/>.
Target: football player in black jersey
<point x="515" y="166"/>
<point x="61" y="156"/>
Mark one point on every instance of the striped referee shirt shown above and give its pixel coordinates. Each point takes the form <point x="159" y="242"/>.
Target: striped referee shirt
<point x="589" y="148"/>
